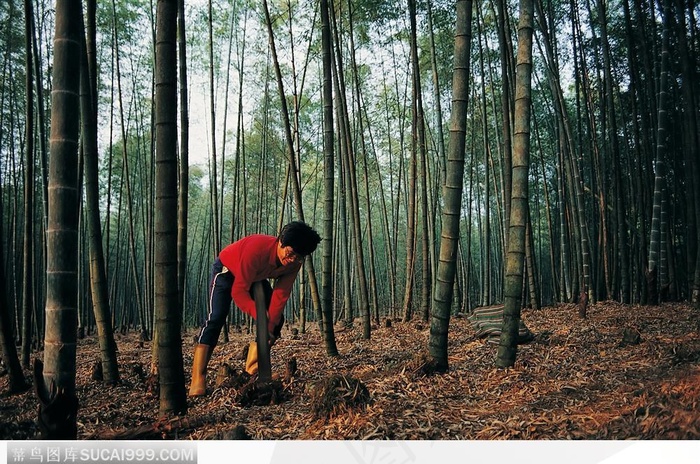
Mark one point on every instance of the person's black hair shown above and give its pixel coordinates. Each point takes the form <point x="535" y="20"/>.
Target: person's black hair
<point x="300" y="236"/>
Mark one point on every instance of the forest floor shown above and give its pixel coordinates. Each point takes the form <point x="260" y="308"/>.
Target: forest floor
<point x="577" y="379"/>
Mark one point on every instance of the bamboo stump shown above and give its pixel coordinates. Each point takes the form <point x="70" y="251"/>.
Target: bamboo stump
<point x="58" y="409"/>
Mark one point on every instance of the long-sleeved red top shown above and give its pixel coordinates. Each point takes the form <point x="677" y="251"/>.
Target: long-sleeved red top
<point x="254" y="258"/>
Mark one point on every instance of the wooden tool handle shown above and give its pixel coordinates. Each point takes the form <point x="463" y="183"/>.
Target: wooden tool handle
<point x="264" y="364"/>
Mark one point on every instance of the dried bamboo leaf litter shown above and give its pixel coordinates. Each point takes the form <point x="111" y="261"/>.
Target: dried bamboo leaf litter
<point x="576" y="379"/>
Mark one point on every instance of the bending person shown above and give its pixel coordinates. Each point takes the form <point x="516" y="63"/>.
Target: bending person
<point x="251" y="259"/>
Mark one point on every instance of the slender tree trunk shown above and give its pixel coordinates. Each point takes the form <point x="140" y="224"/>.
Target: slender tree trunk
<point x="147" y="200"/>
<point x="390" y="218"/>
<point x="292" y="162"/>
<point x="439" y="135"/>
<point x="213" y="161"/>
<point x="485" y="237"/>
<point x="98" y="277"/>
<point x="452" y="189"/>
<point x="344" y="234"/>
<point x="692" y="152"/>
<point x="224" y="136"/>
<point x="656" y="273"/>
<point x="173" y="397"/>
<point x="110" y="169"/>
<point x="507" y="71"/>
<point x="349" y="162"/>
<point x="530" y="266"/>
<point x="370" y="288"/>
<point x="411" y="214"/>
<point x="519" y="211"/>
<point x="17" y="382"/>
<point x="28" y="309"/>
<point x="589" y="144"/>
<point x="328" y="186"/>
<point x="40" y="110"/>
<point x="468" y="213"/>
<point x="183" y="203"/>
<point x="59" y="366"/>
<point x="238" y="197"/>
<point x="550" y="224"/>
<point x="420" y="143"/>
<point x="570" y="180"/>
<point x="127" y="183"/>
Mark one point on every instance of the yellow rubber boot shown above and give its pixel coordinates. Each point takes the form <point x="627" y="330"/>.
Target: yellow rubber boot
<point x="202" y="354"/>
<point x="251" y="362"/>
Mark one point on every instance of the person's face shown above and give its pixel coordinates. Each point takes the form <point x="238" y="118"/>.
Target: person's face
<point x="287" y="255"/>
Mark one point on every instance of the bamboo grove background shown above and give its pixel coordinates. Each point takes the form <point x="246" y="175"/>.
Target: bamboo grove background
<point x="614" y="179"/>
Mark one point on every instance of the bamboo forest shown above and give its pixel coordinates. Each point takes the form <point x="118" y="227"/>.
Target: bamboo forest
<point x="349" y="219"/>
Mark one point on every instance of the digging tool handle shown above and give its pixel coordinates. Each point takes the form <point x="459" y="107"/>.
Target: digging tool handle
<point x="264" y="364"/>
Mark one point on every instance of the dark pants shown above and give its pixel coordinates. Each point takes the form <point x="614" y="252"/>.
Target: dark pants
<point x="219" y="302"/>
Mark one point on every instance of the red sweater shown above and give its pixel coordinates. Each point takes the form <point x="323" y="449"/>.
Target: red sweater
<point x="254" y="258"/>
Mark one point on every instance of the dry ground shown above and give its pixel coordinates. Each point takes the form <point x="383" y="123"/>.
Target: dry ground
<point x="576" y="380"/>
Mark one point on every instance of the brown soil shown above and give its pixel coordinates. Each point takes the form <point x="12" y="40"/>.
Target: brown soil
<point x="624" y="372"/>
